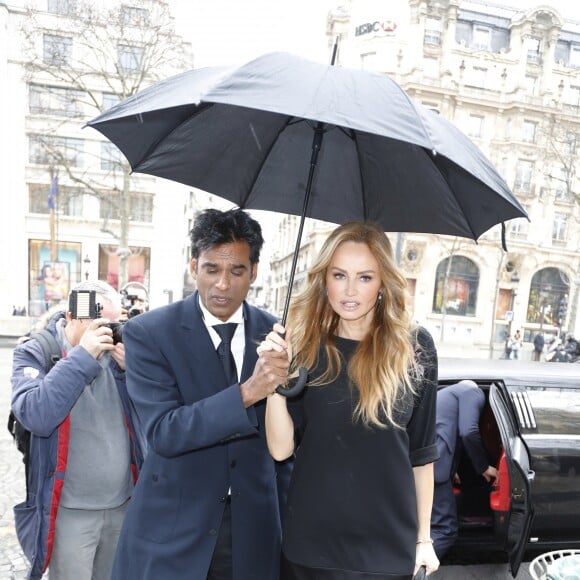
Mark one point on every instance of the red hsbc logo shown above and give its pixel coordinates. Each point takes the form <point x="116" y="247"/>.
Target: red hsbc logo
<point x="386" y="26"/>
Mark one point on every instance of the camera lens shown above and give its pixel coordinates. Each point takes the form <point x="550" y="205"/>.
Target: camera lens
<point x="117" y="328"/>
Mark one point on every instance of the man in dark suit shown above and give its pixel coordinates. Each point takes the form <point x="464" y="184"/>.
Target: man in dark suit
<point x="206" y="503"/>
<point x="459" y="408"/>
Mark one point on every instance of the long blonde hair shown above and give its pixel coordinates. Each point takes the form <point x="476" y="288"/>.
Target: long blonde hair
<point x="383" y="365"/>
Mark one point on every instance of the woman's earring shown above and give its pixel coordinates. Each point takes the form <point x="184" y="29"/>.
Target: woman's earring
<point x="380" y="296"/>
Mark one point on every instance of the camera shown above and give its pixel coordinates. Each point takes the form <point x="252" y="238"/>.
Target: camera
<point x="128" y="303"/>
<point x="83" y="304"/>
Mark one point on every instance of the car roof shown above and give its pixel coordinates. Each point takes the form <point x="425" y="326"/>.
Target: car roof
<point x="511" y="372"/>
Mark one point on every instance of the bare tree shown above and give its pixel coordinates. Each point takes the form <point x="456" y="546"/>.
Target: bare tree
<point x="562" y="140"/>
<point x="80" y="60"/>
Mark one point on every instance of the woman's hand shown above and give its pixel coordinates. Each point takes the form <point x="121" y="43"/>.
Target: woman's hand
<point x="425" y="556"/>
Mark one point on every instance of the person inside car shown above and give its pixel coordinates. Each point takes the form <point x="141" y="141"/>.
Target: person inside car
<point x="459" y="408"/>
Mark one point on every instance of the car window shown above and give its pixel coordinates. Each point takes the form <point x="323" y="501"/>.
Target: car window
<point x="556" y="410"/>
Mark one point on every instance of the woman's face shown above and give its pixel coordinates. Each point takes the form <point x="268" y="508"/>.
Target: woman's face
<point x="353" y="284"/>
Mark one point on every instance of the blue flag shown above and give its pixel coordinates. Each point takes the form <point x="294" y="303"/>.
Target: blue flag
<point x="53" y="193"/>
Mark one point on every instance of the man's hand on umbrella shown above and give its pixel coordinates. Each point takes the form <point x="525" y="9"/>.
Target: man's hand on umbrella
<point x="271" y="368"/>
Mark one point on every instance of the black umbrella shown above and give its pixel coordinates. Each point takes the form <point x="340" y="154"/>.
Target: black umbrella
<point x="286" y="134"/>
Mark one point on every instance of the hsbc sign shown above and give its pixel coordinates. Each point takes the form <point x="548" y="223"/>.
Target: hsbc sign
<point x="384" y="27"/>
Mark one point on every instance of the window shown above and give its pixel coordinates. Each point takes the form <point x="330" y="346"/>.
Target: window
<point x="561" y="402"/>
<point x="560" y="227"/>
<point x="55" y="101"/>
<point x="571" y="143"/>
<point x="561" y="179"/>
<point x="547" y="288"/>
<point x="503" y="167"/>
<point x="456" y="286"/>
<point x="575" y="56"/>
<point x="141" y="207"/>
<point x="481" y="38"/>
<point x="111" y="157"/>
<point x="508" y="129"/>
<point x="478" y="76"/>
<point x="474" y="125"/>
<point x="524" y="170"/>
<point x="130" y="58"/>
<point x="66" y="271"/>
<point x="57" y="50"/>
<point x="431" y="106"/>
<point x="432" y="33"/>
<point x="533" y="46"/>
<point x="573" y="96"/>
<point x="431" y="67"/>
<point x="138" y="263"/>
<point x="45" y="150"/>
<point x="529" y="132"/>
<point x="132" y="16"/>
<point x="519" y="227"/>
<point x="69" y="200"/>
<point x="368" y="61"/>
<point x="531" y="84"/>
<point x="60" y="6"/>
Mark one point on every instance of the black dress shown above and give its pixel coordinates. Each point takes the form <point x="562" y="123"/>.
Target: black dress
<point x="351" y="511"/>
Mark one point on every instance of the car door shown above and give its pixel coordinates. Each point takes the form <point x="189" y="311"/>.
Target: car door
<point x="513" y="512"/>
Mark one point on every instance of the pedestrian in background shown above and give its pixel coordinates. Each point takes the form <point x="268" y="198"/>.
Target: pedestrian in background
<point x="516" y="345"/>
<point x="538" y="346"/>
<point x="84" y="445"/>
<point x="207" y="503"/>
<point x="360" y="497"/>
<point x="508" y="347"/>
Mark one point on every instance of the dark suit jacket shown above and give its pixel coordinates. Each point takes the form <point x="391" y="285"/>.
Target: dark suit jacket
<point x="201" y="442"/>
<point x="459" y="407"/>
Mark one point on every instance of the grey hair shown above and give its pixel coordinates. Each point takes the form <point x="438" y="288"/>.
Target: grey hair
<point x="103" y="289"/>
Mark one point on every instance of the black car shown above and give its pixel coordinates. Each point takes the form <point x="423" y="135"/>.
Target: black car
<point x="531" y="428"/>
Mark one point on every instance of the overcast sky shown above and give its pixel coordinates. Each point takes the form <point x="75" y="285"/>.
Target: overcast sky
<point x="234" y="31"/>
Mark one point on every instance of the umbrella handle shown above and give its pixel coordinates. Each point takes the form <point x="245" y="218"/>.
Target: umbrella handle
<point x="297" y="388"/>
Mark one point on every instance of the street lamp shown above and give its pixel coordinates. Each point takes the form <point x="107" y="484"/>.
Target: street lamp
<point x="87" y="263"/>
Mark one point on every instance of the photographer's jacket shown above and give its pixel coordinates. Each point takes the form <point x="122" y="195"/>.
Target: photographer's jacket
<point x="77" y="386"/>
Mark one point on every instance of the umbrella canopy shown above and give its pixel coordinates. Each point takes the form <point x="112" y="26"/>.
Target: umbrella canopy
<point x="246" y="134"/>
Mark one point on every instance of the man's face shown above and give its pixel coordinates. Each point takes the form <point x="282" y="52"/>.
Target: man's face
<point x="224" y="275"/>
<point x="140" y="301"/>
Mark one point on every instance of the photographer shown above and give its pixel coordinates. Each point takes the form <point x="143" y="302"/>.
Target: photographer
<point x="84" y="449"/>
<point x="134" y="301"/>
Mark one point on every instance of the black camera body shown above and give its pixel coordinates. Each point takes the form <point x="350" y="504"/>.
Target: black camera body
<point x="83" y="304"/>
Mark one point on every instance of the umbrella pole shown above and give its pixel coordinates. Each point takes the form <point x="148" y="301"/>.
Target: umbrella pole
<point x="299" y="385"/>
<point x="316" y="144"/>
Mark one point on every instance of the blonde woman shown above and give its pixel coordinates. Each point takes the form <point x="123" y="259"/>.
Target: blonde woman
<point x="363" y="431"/>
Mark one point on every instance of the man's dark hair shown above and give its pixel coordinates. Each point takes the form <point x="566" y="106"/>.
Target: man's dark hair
<point x="213" y="227"/>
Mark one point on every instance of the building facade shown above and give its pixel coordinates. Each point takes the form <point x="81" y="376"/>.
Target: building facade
<point x="510" y="79"/>
<point x="72" y="208"/>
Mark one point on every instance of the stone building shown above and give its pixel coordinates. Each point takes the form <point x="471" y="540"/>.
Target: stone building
<point x="71" y="207"/>
<point x="510" y="79"/>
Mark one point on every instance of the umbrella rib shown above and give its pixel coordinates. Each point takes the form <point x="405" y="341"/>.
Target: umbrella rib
<point x="362" y="184"/>
<point x="198" y="109"/>
<point x="457" y="199"/>
<point x="249" y="190"/>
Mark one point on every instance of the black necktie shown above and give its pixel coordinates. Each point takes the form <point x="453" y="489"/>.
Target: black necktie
<point x="226" y="332"/>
